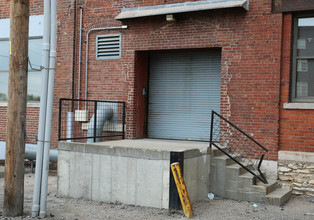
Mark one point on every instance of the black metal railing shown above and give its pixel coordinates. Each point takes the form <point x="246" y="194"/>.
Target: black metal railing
<point x="237" y="145"/>
<point x="90" y="120"/>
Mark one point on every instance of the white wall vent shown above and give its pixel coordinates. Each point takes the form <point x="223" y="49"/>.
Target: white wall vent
<point x="108" y="47"/>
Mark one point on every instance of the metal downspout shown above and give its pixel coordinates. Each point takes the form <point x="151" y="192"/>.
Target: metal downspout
<point x="43" y="105"/>
<point x="74" y="50"/>
<point x="80" y="57"/>
<point x="52" y="65"/>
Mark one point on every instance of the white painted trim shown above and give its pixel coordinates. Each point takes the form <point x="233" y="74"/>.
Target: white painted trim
<point x="307" y="157"/>
<point x="298" y="105"/>
<point x="29" y="104"/>
<point x="33" y="104"/>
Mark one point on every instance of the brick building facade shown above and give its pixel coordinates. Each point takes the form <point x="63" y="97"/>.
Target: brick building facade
<point x="255" y="48"/>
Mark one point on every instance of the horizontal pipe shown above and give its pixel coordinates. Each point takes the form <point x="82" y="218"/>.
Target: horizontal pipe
<point x="90" y="100"/>
<point x="79" y="138"/>
<point x="107" y="28"/>
<point x="30" y="154"/>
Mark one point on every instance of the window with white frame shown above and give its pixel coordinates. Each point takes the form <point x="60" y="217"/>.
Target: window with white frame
<point x="302" y="89"/>
<point x="34" y="56"/>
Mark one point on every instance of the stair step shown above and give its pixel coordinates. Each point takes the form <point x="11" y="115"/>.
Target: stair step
<point x="247" y="177"/>
<point x="279" y="196"/>
<point x="231" y="180"/>
<point x="240" y="169"/>
<point x="266" y="188"/>
<point x="228" y="160"/>
<point x="248" y="180"/>
<point x="216" y="152"/>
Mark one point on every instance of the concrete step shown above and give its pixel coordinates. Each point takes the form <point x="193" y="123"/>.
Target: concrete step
<point x="233" y="172"/>
<point x="224" y="159"/>
<point x="216" y="152"/>
<point x="230" y="180"/>
<point x="239" y="169"/>
<point x="260" y="192"/>
<point x="246" y="180"/>
<point x="251" y="195"/>
<point x="279" y="196"/>
<point x="266" y="188"/>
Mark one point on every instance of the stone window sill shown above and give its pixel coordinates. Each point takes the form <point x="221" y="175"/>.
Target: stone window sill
<point x="298" y="105"/>
<point x="29" y="104"/>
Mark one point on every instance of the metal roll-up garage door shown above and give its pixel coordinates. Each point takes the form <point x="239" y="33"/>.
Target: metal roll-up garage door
<point x="183" y="89"/>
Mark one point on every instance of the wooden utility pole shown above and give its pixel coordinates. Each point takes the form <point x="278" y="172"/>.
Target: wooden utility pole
<point x="16" y="113"/>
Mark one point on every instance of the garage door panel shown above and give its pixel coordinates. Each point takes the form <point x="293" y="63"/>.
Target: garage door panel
<point x="183" y="89"/>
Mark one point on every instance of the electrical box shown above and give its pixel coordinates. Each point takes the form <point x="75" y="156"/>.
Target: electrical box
<point x="81" y="115"/>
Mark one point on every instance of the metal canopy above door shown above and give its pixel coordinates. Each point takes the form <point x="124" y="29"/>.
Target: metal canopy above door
<point x="183" y="89"/>
<point x="184" y="7"/>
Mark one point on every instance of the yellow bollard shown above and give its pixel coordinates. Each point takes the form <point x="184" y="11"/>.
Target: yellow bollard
<point x="183" y="193"/>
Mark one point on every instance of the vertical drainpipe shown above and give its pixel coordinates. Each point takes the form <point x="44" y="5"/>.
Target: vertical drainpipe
<point x="52" y="65"/>
<point x="86" y="65"/>
<point x="80" y="58"/>
<point x="74" y="52"/>
<point x="43" y="105"/>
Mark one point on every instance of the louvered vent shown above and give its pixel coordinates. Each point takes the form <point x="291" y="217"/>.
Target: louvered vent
<point x="108" y="47"/>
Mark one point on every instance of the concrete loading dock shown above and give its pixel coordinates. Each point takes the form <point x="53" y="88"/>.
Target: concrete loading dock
<point x="130" y="171"/>
<point x="137" y="172"/>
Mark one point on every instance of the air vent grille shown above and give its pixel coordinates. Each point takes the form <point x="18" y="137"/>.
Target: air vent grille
<point x="108" y="47"/>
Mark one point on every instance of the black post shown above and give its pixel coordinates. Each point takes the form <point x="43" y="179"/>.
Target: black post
<point x="95" y="119"/>
<point x="174" y="199"/>
<point x="123" y="120"/>
<point x="60" y="110"/>
<point x="211" y="130"/>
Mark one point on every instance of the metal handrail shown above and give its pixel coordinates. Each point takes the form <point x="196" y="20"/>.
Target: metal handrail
<point x="261" y="177"/>
<point x="261" y="146"/>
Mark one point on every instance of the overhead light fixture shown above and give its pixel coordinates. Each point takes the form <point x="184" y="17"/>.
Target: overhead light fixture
<point x="170" y="18"/>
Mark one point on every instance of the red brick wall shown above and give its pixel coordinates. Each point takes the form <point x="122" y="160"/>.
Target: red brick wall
<point x="296" y="126"/>
<point x="250" y="43"/>
<point x="32" y="117"/>
<point x="4" y="9"/>
<point x="35" y="7"/>
<point x="251" y="49"/>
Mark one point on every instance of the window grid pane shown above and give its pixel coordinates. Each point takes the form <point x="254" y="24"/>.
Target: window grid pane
<point x="34" y="77"/>
<point x="304" y="59"/>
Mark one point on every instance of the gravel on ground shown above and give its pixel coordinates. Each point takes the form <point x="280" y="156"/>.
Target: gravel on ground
<point x="296" y="208"/>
